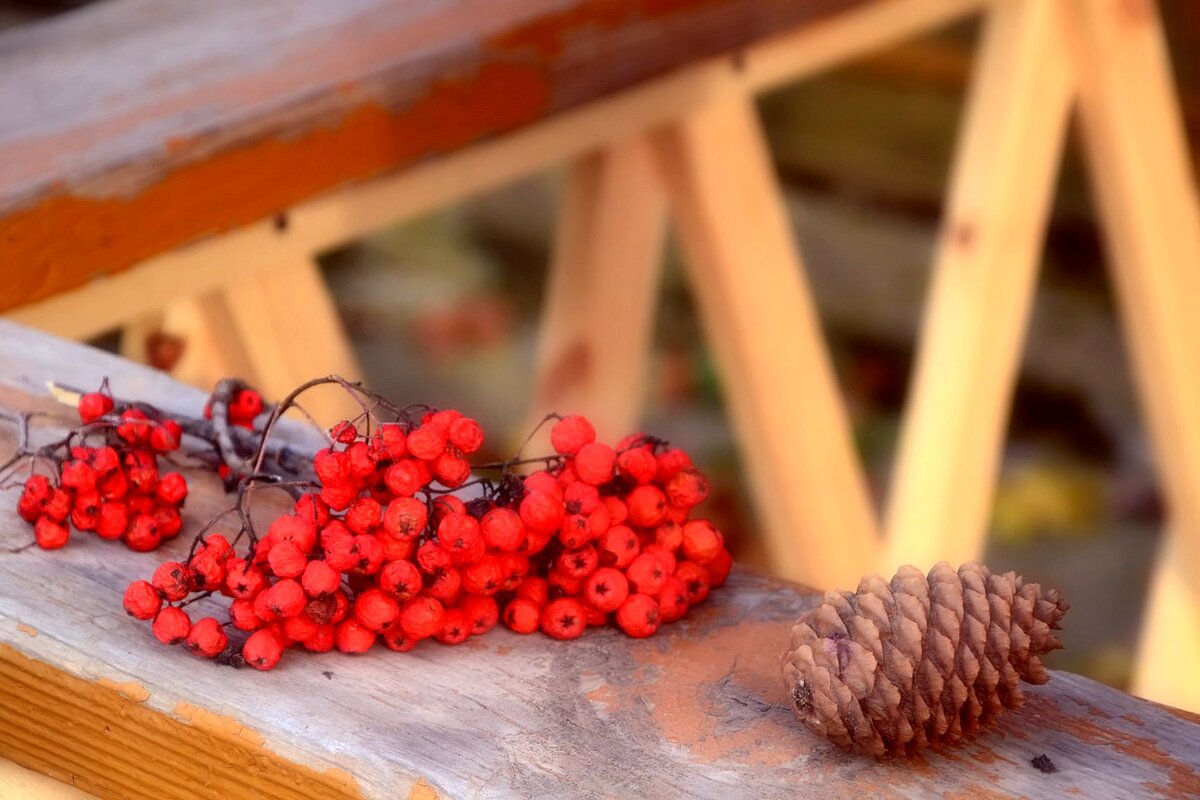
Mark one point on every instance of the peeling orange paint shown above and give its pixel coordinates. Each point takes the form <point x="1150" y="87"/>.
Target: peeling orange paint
<point x="421" y="790"/>
<point x="1182" y="780"/>
<point x="215" y="723"/>
<point x="66" y="239"/>
<point x="28" y="630"/>
<point x="131" y="690"/>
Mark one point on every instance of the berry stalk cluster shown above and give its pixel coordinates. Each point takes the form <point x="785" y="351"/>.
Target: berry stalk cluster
<point x="400" y="538"/>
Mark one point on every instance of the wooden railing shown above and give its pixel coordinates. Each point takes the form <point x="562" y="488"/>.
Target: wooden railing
<point x="199" y="155"/>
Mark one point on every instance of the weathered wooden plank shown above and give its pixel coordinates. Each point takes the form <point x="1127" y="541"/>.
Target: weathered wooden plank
<point x="697" y="710"/>
<point x="136" y="126"/>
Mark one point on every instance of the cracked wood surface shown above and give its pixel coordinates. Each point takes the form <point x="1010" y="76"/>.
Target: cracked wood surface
<point x="698" y="710"/>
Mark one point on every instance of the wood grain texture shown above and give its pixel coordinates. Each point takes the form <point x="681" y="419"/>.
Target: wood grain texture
<point x="760" y="320"/>
<point x="981" y="291"/>
<point x="130" y="127"/>
<point x="87" y="695"/>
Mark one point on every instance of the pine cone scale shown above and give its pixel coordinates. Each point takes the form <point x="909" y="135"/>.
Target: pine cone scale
<point x="920" y="659"/>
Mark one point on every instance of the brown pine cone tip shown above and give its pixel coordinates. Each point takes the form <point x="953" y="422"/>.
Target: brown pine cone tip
<point x="895" y="667"/>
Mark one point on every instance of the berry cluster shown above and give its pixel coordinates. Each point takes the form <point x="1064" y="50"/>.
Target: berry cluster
<point x="106" y="479"/>
<point x="379" y="549"/>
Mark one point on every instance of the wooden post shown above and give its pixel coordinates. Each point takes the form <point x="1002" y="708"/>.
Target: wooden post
<point x="291" y="332"/>
<point x="761" y="323"/>
<point x="1169" y="647"/>
<point x="598" y="315"/>
<point x="982" y="290"/>
<point x="1137" y="155"/>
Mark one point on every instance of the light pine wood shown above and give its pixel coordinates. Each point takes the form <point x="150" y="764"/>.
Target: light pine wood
<point x="290" y="331"/>
<point x="601" y="294"/>
<point x="760" y="322"/>
<point x="19" y="783"/>
<point x="698" y="711"/>
<point x="1137" y="156"/>
<point x="1169" y="645"/>
<point x="982" y="290"/>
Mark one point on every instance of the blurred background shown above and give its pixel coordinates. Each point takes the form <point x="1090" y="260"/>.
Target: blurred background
<point x="444" y="308"/>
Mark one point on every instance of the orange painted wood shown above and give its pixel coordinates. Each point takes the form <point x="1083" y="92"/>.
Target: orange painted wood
<point x="130" y="127"/>
<point x="699" y="710"/>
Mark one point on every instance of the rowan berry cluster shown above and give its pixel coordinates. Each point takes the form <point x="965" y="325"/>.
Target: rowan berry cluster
<point x="379" y="551"/>
<point x="106" y="478"/>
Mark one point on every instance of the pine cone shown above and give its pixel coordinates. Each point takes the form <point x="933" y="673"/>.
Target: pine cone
<point x="896" y="667"/>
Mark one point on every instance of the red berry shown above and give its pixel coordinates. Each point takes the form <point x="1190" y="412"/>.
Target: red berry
<point x="134" y="427"/>
<point x="78" y="475"/>
<point x="393" y="438"/>
<point x="167" y="522"/>
<point x="171" y="626"/>
<point x="173" y="580"/>
<point x="695" y="581"/>
<point x="719" y="567"/>
<point x="456" y="627"/>
<point x="310" y="507"/>
<point x="669" y="463"/>
<point x="619" y="546"/>
<point x="637" y="465"/>
<point x="50" y="535"/>
<point x="112" y="521"/>
<point x="207" y="638"/>
<point x="332" y="467"/>
<point x="320" y="579"/>
<point x="459" y="534"/>
<point x="171" y="489"/>
<point x="405" y="517"/>
<point x="646" y="574"/>
<point x="376" y="610"/>
<point x="142" y="534"/>
<point x="94" y="405"/>
<point x="427" y="442"/>
<point x="687" y="488"/>
<point x="534" y="589"/>
<point x="647" y="506"/>
<point x="244" y="580"/>
<point x="295" y="528"/>
<point x="421" y="617"/>
<point x="606" y="589"/>
<point x="484" y="577"/>
<point x="666" y="557"/>
<point x="299" y="628"/>
<point x="343" y="432"/>
<point x="578" y="563"/>
<point x="396" y="639"/>
<point x="241" y="614"/>
<point x="482" y="612"/>
<point x="286" y="560"/>
<point x="351" y="636"/>
<point x="451" y="469"/>
<point x="594" y="463"/>
<point x="669" y="535"/>
<point x="285" y="598"/>
<point x="142" y="600"/>
<point x="672" y="600"/>
<point x="262" y="650"/>
<point x="466" y="434"/>
<point x="363" y="515"/>
<point x="503" y="529"/>
<point x="522" y="616"/>
<point x="401" y="579"/>
<point x="407" y="477"/>
<point x="571" y="433"/>
<point x="321" y="640"/>
<point x="165" y="436"/>
<point x="445" y="586"/>
<point x="85" y="516"/>
<point x="542" y="512"/>
<point x="564" y="618"/>
<point x="638" y="616"/>
<point x="58" y="505"/>
<point x="702" y="542"/>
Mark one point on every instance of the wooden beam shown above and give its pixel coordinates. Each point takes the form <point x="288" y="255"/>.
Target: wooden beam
<point x="1145" y="186"/>
<point x="598" y="315"/>
<point x="982" y="290"/>
<point x="1169" y="645"/>
<point x="326" y="220"/>
<point x="760" y="322"/>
